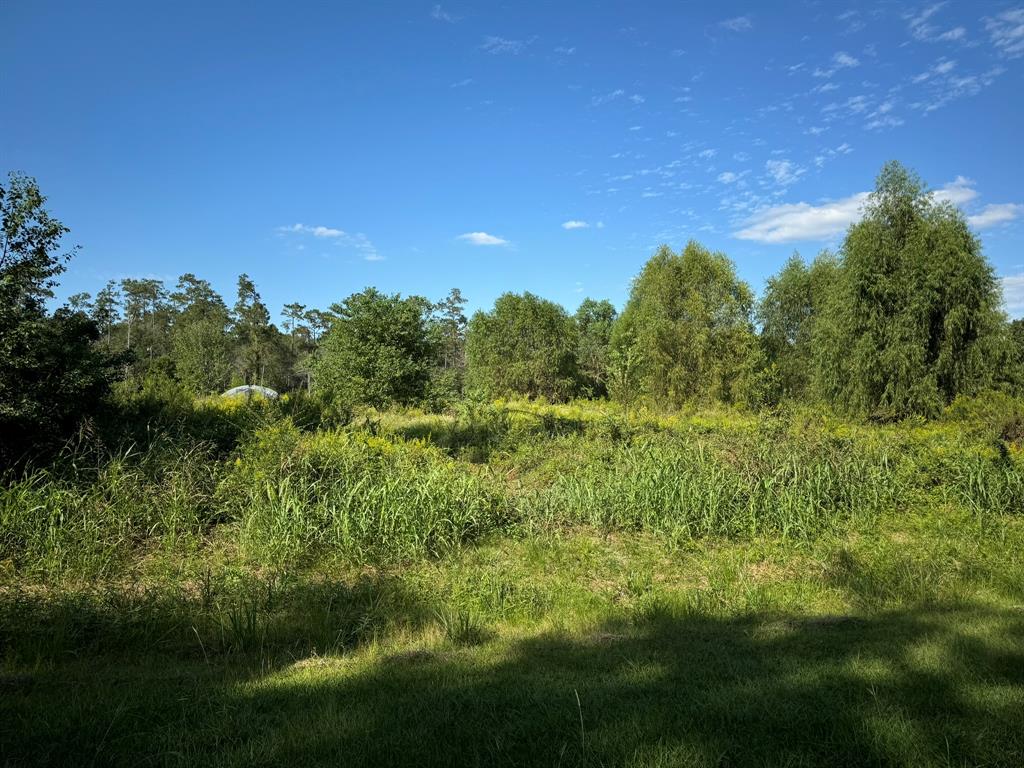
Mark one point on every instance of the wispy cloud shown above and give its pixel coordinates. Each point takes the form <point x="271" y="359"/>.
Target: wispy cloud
<point x="796" y="222"/>
<point x="440" y="14"/>
<point x="783" y="172"/>
<point x="923" y="27"/>
<point x="462" y="83"/>
<point x="1006" y="30"/>
<point x="315" y="231"/>
<point x="498" y="45"/>
<point x="575" y="224"/>
<point x="340" y="237"/>
<point x="738" y="24"/>
<point x="481" y="238"/>
<point x="604" y="98"/>
<point x="840" y="60"/>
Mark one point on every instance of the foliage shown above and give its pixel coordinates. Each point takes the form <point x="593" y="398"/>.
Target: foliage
<point x="688" y="324"/>
<point x="914" y="319"/>
<point x="526" y="345"/>
<point x="594" y="323"/>
<point x="377" y="352"/>
<point x="792" y="303"/>
<point x="51" y="374"/>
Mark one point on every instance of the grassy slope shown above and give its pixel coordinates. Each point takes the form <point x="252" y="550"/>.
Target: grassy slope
<point x="896" y="640"/>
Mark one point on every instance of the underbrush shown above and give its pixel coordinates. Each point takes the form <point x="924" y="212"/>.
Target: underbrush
<point x="355" y="496"/>
<point x="272" y="483"/>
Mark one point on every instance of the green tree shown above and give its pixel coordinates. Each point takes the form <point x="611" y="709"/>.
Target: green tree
<point x="594" y="323"/>
<point x="202" y="347"/>
<point x="51" y="374"/>
<point x="914" y="319"/>
<point x="687" y="325"/>
<point x="106" y="311"/>
<point x="526" y="345"/>
<point x="793" y="300"/>
<point x="377" y="352"/>
<point x="253" y="334"/>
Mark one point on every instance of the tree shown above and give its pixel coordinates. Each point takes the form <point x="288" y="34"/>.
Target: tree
<point x="252" y="333"/>
<point x="526" y="345"/>
<point x="792" y="302"/>
<point x="51" y="375"/>
<point x="914" y="319"/>
<point x="594" y="323"/>
<point x="106" y="311"/>
<point x="201" y="345"/>
<point x="148" y="319"/>
<point x="450" y="322"/>
<point x="377" y="352"/>
<point x="688" y="326"/>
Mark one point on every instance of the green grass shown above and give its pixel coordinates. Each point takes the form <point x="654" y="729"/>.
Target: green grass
<point x="520" y="585"/>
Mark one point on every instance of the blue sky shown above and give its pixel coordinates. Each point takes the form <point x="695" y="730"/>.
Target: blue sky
<point x="547" y="147"/>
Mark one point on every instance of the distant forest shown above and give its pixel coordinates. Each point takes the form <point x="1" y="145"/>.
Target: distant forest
<point x="902" y="319"/>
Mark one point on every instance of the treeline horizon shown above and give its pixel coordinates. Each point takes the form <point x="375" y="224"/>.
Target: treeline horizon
<point x="903" y="318"/>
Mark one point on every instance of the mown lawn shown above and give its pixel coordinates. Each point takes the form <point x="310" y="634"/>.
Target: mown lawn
<point x="576" y="649"/>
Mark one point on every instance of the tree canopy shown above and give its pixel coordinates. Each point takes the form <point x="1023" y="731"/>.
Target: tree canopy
<point x="914" y="318"/>
<point x="688" y="327"/>
<point x="526" y="345"/>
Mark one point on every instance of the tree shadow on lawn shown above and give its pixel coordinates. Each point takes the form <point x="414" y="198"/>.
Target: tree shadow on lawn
<point x="927" y="686"/>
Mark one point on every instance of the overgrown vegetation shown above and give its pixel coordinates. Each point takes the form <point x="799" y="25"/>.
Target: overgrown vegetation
<point x="689" y="534"/>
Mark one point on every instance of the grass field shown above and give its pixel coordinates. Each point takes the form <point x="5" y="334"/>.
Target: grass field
<point x="518" y="584"/>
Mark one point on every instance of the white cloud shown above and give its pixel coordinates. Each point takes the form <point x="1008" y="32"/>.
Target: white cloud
<point x="462" y="83"/>
<point x="843" y="59"/>
<point x="921" y="27"/>
<point x="783" y="171"/>
<point x="565" y="51"/>
<point x="636" y="98"/>
<point x="1013" y="293"/>
<point x="315" y="231"/>
<point x="794" y="222"/>
<point x="738" y="24"/>
<point x="707" y="154"/>
<point x="885" y="121"/>
<point x="605" y="98"/>
<point x="959" y="191"/>
<point x="995" y="213"/>
<point x="440" y="14"/>
<point x="575" y="224"/>
<point x="496" y="45"/>
<point x="1006" y="31"/>
<point x="840" y="60"/>
<point x="482" y="238"/>
<point x="340" y="237"/>
<point x="728" y="177"/>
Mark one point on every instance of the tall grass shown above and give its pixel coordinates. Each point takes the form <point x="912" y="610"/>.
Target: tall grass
<point x="89" y="520"/>
<point x="355" y="495"/>
<point x="690" y="486"/>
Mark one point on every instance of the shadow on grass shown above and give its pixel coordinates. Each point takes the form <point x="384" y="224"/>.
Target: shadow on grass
<point x="930" y="686"/>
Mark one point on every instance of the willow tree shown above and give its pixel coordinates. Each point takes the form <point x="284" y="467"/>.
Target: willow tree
<point x="526" y="345"/>
<point x="688" y="324"/>
<point x="914" y="318"/>
<point x="793" y="301"/>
